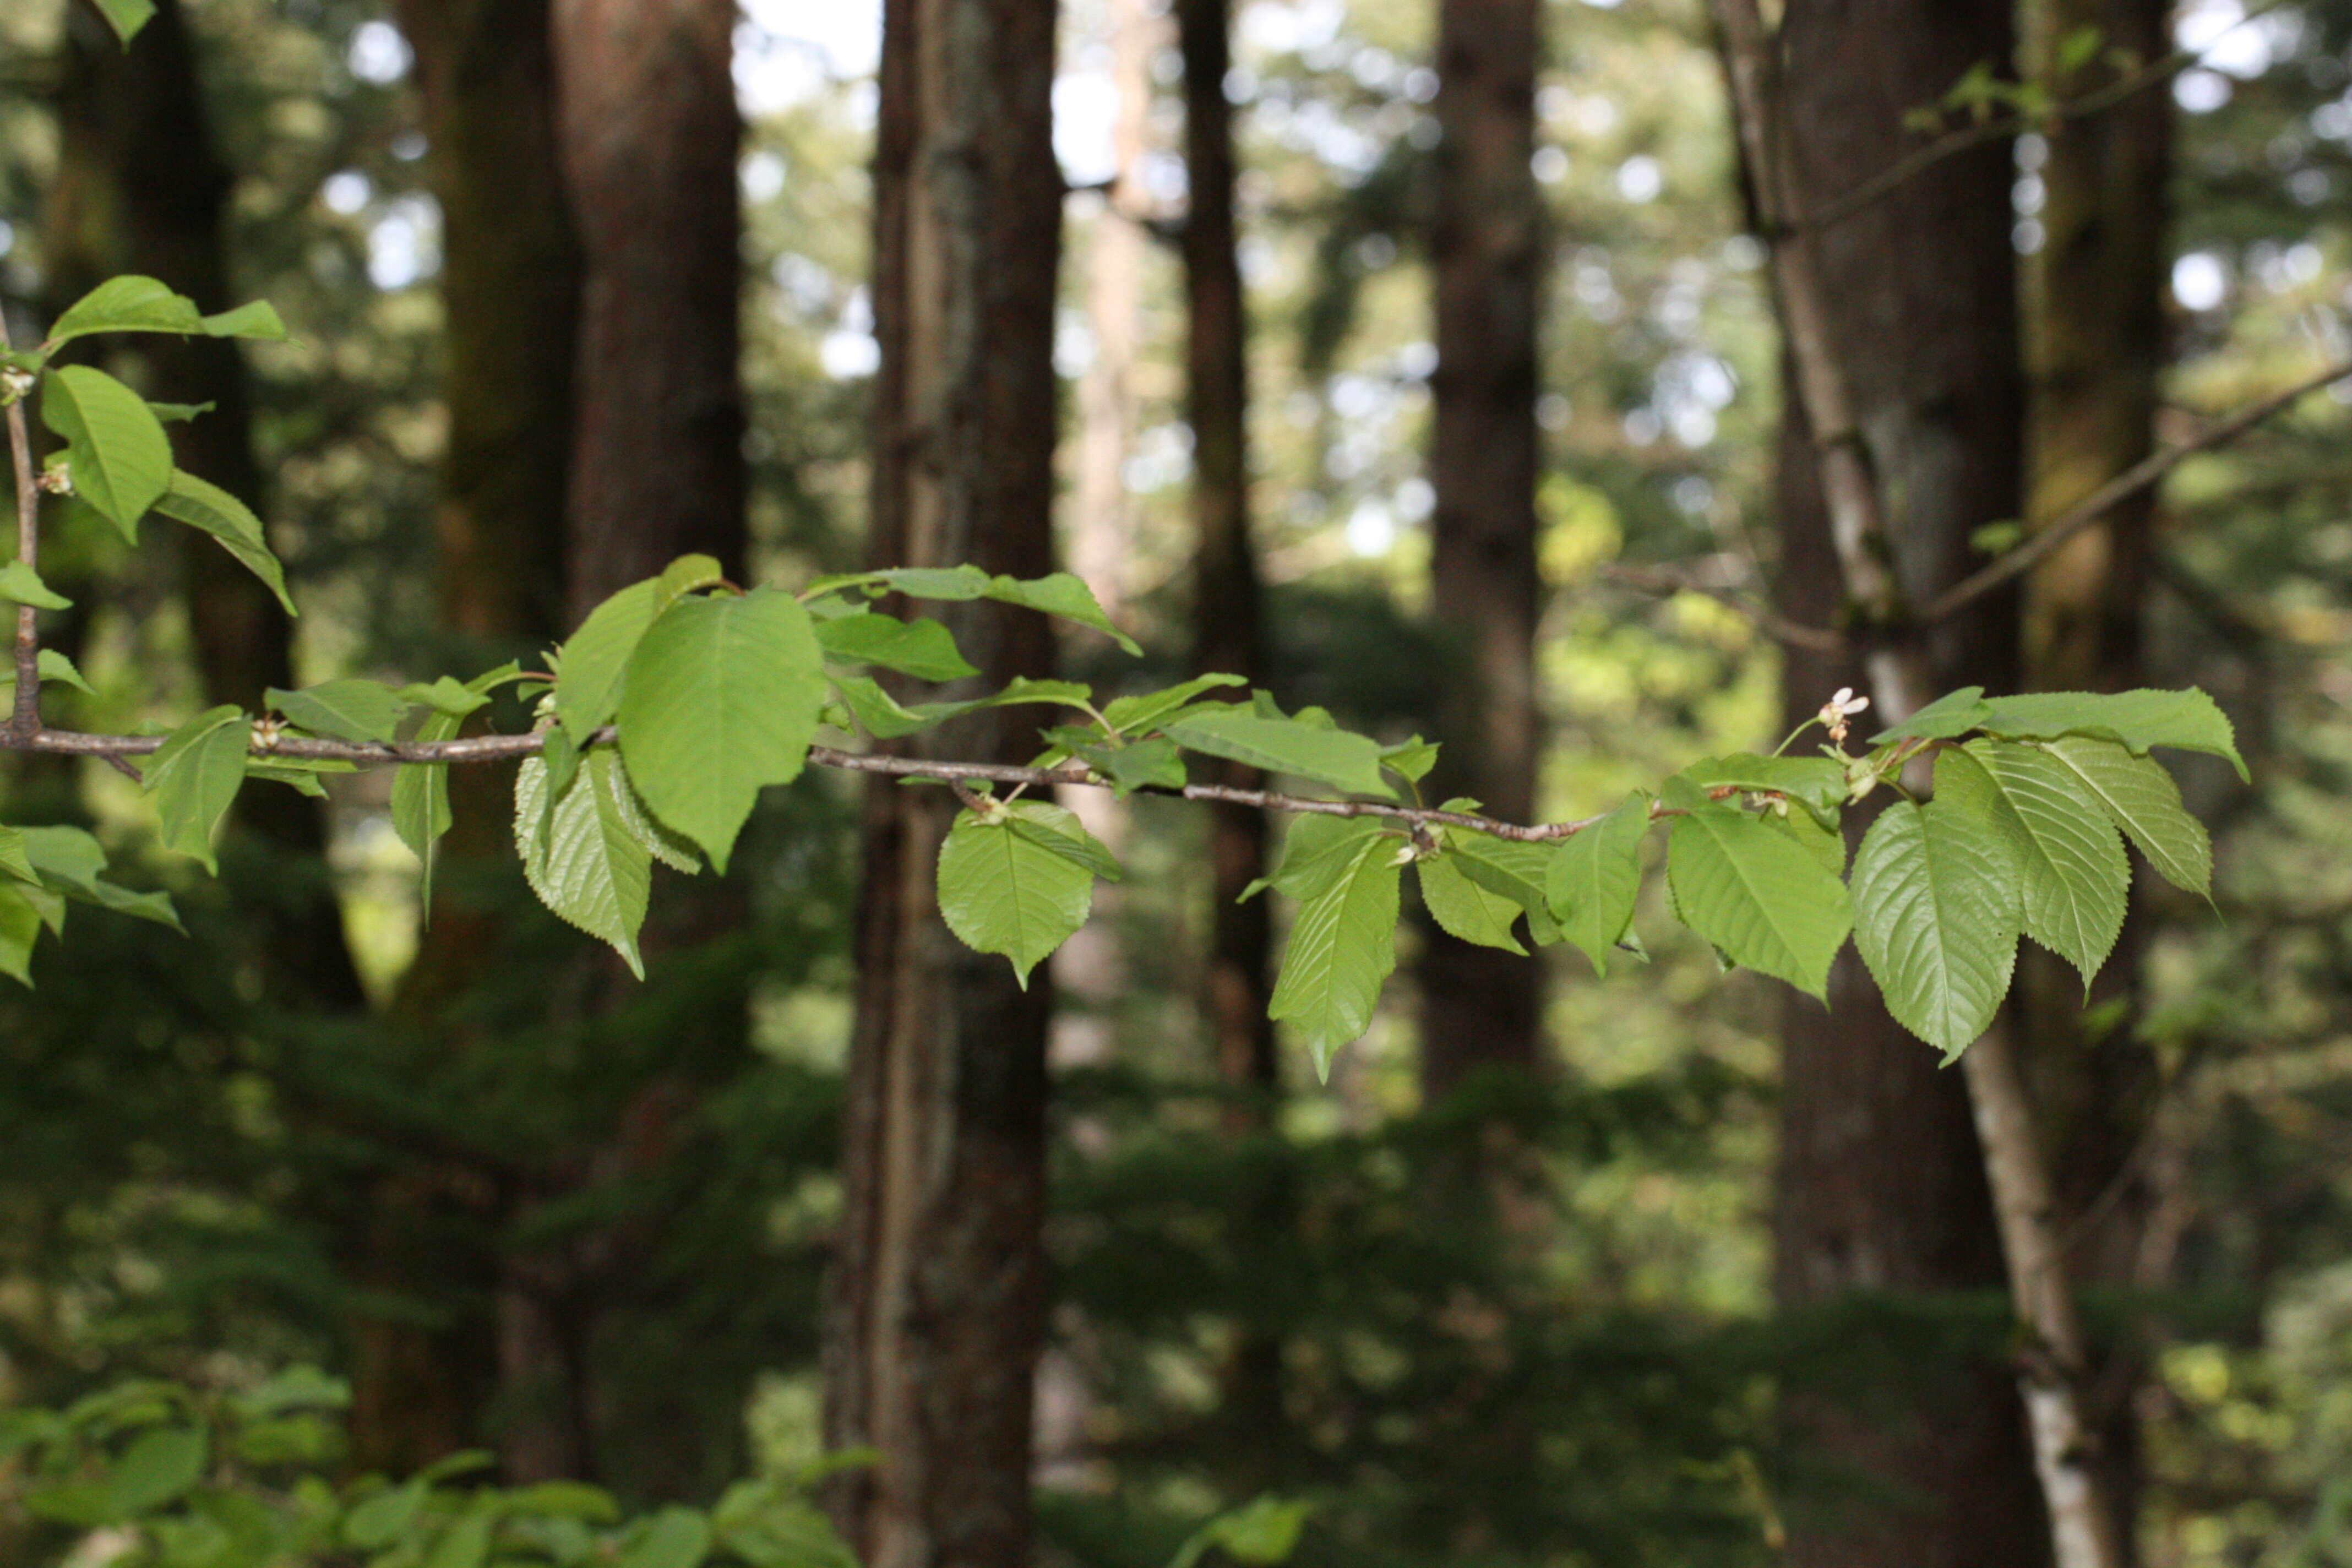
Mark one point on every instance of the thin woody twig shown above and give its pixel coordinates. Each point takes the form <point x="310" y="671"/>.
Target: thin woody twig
<point x="2148" y="471"/>
<point x="25" y="718"/>
<point x="1773" y="625"/>
<point x="507" y="748"/>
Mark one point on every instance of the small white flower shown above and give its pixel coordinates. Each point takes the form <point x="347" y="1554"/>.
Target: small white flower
<point x="1841" y="708"/>
<point x="16" y="381"/>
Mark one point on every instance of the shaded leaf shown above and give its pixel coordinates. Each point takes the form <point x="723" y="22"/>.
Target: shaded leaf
<point x="194" y="777"/>
<point x="1595" y="877"/>
<point x="116" y="450"/>
<point x="922" y="648"/>
<point x="1464" y="909"/>
<point x="2140" y="797"/>
<point x="2076" y="878"/>
<point x="345" y="710"/>
<point x="208" y="508"/>
<point x="1954" y="714"/>
<point x="1334" y="757"/>
<point x="579" y="856"/>
<point x="1136" y="715"/>
<point x="2185" y="720"/>
<point x="21" y="585"/>
<point x="158" y="1467"/>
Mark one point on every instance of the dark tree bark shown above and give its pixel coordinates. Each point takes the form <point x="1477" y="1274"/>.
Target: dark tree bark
<point x="937" y="1313"/>
<point x="1228" y="613"/>
<point x="650" y="133"/>
<point x="2096" y="345"/>
<point x="1481" y="1007"/>
<point x="647" y="133"/>
<point x="510" y="289"/>
<point x="142" y="189"/>
<point x="1229" y="634"/>
<point x="1881" y="1185"/>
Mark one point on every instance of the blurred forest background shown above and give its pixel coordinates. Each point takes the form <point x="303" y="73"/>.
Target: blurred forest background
<point x="1414" y="357"/>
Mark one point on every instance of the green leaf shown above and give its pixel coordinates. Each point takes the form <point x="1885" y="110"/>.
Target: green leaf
<point x="55" y="666"/>
<point x="581" y="853"/>
<point x="1464" y="909"/>
<point x="1260" y="1533"/>
<point x="1595" y="877"/>
<point x="449" y="697"/>
<point x="593" y="664"/>
<point x="2185" y="720"/>
<point x="344" y="709"/>
<point x="673" y="1538"/>
<point x="922" y="648"/>
<point x="560" y="760"/>
<point x="1333" y="757"/>
<point x="194" y="777"/>
<point x="1757" y="896"/>
<point x="882" y="715"/>
<point x="721" y="700"/>
<point x="1059" y="594"/>
<point x="126" y="16"/>
<point x="1411" y="760"/>
<point x="1954" y="714"/>
<point x="116" y="450"/>
<point x="20" y="929"/>
<point x="465" y="1545"/>
<point x="1826" y="844"/>
<point x="420" y="804"/>
<point x="208" y="508"/>
<point x="2076" y="879"/>
<point x="256" y="319"/>
<point x="379" y="1520"/>
<point x="22" y="585"/>
<point x="1508" y="869"/>
<point x="1342" y="944"/>
<point x="178" y="413"/>
<point x="1066" y="596"/>
<point x="1818" y="783"/>
<point x="70" y="859"/>
<point x="128" y="304"/>
<point x="158" y="1467"/>
<point x="1936" y="915"/>
<point x="1006" y="891"/>
<point x="14" y="861"/>
<point x="1315" y="849"/>
<point x="1136" y="715"/>
<point x="2140" y="797"/>
<point x="1138" y="764"/>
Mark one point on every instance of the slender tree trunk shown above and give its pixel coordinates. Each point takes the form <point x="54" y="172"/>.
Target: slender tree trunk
<point x="1229" y="634"/>
<point x="510" y="290"/>
<point x="1481" y="1007"/>
<point x="647" y="136"/>
<point x="650" y="133"/>
<point x="2096" y="346"/>
<point x="142" y="189"/>
<point x="937" y="1315"/>
<point x="1882" y="1185"/>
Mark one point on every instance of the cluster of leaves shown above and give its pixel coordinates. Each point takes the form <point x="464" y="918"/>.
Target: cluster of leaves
<point x="680" y="697"/>
<point x="190" y="1479"/>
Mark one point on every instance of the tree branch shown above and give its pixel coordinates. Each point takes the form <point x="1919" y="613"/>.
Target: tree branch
<point x="2148" y="471"/>
<point x="508" y="748"/>
<point x="1773" y="625"/>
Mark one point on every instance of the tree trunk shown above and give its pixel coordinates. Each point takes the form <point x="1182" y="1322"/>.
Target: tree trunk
<point x="649" y="139"/>
<point x="141" y="189"/>
<point x="509" y="292"/>
<point x="1229" y="635"/>
<point x="2096" y="346"/>
<point x="1881" y="1185"/>
<point x="647" y="134"/>
<point x="1481" y="1007"/>
<point x="937" y="1314"/>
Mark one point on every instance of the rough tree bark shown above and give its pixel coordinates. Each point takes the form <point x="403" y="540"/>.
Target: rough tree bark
<point x="937" y="1313"/>
<point x="1481" y="1007"/>
<point x="1882" y="1185"/>
<point x="141" y="189"/>
<point x="2096" y="345"/>
<point x="510" y="289"/>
